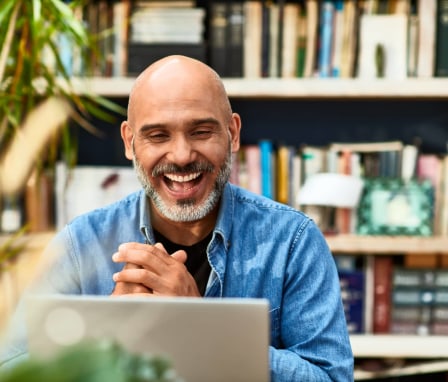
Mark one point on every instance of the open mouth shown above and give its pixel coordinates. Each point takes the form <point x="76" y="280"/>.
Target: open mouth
<point x="182" y="182"/>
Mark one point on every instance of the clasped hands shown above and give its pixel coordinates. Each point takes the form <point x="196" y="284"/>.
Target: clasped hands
<point x="151" y="270"/>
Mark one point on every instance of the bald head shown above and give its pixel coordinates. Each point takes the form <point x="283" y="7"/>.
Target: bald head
<point x="175" y="76"/>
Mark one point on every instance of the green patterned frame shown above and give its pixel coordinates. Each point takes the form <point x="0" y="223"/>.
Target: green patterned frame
<point x="389" y="206"/>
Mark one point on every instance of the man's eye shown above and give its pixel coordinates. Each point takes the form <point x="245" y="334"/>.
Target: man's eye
<point x="202" y="133"/>
<point x="157" y="137"/>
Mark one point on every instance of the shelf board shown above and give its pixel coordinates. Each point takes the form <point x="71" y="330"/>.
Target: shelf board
<point x="427" y="367"/>
<point x="293" y="88"/>
<point x="378" y="245"/>
<point x="399" y="346"/>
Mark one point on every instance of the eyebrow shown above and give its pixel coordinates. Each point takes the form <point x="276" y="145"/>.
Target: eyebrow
<point x="193" y="122"/>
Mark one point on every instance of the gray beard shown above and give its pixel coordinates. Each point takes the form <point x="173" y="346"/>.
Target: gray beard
<point x="186" y="210"/>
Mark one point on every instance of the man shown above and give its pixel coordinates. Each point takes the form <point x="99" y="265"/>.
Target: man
<point x="191" y="233"/>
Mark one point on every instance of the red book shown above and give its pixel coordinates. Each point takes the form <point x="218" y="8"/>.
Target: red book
<point x="382" y="275"/>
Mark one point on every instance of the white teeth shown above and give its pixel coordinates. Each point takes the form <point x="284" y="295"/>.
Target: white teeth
<point x="182" y="178"/>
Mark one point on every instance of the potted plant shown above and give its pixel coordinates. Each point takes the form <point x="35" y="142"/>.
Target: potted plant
<point x="39" y="103"/>
<point x="37" y="94"/>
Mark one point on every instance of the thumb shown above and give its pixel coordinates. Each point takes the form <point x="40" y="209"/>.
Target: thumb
<point x="180" y="255"/>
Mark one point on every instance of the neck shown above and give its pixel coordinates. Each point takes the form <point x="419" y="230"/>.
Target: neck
<point x="184" y="233"/>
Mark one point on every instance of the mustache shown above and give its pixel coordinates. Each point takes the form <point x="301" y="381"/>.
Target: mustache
<point x="173" y="168"/>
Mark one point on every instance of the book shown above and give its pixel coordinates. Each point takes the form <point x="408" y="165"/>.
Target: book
<point x="142" y="55"/>
<point x="352" y="295"/>
<point x="252" y="39"/>
<point x="265" y="38"/>
<point x="383" y="46"/>
<point x="182" y="25"/>
<point x="275" y="42"/>
<point x="290" y="40"/>
<point x="252" y="156"/>
<point x="284" y="173"/>
<point x="413" y="45"/>
<point x="312" y="21"/>
<point x="301" y="42"/>
<point x="226" y="38"/>
<point x="218" y="22"/>
<point x="295" y="182"/>
<point x="338" y="38"/>
<point x="426" y="37"/>
<point x="235" y="33"/>
<point x="349" y="39"/>
<point x="441" y="49"/>
<point x="429" y="167"/>
<point x="326" y="30"/>
<point x="267" y="168"/>
<point x="382" y="284"/>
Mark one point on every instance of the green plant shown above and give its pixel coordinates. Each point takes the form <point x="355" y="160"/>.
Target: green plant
<point x="94" y="361"/>
<point x="32" y="70"/>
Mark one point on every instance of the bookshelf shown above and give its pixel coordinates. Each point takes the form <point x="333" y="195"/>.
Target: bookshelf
<point x="289" y="99"/>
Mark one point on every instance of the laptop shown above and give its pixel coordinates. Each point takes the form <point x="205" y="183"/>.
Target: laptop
<point x="206" y="339"/>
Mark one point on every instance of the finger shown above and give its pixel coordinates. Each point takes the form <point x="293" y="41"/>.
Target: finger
<point x="134" y="276"/>
<point x="180" y="255"/>
<point x="145" y="255"/>
<point x="122" y="288"/>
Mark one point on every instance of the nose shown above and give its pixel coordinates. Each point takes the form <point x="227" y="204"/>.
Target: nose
<point x="182" y="151"/>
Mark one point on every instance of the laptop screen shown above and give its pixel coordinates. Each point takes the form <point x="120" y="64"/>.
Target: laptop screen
<point x="204" y="339"/>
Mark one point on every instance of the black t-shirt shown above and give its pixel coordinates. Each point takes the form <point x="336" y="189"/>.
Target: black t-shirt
<point x="197" y="262"/>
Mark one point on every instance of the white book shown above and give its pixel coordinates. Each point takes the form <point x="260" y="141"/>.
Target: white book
<point x="426" y="38"/>
<point x="290" y="34"/>
<point x="274" y="35"/>
<point x="252" y="39"/>
<point x="391" y="33"/>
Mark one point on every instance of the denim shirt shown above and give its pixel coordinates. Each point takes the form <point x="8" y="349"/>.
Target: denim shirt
<point x="259" y="249"/>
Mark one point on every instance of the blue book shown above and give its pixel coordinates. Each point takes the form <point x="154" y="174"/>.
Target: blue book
<point x="326" y="38"/>
<point x="352" y="284"/>
<point x="267" y="168"/>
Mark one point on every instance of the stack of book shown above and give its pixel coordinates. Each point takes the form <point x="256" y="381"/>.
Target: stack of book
<point x="419" y="301"/>
<point x="161" y="28"/>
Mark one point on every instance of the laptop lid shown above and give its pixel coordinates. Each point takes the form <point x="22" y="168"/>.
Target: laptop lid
<point x="205" y="339"/>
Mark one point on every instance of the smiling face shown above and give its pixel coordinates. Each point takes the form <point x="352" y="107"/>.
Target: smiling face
<point x="180" y="135"/>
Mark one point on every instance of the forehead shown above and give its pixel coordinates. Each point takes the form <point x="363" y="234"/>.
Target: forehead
<point x="168" y="100"/>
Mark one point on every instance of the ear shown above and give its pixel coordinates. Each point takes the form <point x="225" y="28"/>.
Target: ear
<point x="235" y="129"/>
<point x="127" y="135"/>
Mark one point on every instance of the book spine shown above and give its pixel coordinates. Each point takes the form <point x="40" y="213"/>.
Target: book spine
<point x="266" y="152"/>
<point x="289" y="48"/>
<point x="352" y="294"/>
<point x="218" y="29"/>
<point x="382" y="274"/>
<point x="426" y="38"/>
<point x="326" y="39"/>
<point x="441" y="68"/>
<point x="265" y="39"/>
<point x="235" y="24"/>
<point x="252" y="39"/>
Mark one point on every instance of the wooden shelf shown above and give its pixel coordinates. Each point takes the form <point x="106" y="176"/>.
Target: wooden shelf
<point x="356" y="244"/>
<point x="427" y="367"/>
<point x="399" y="346"/>
<point x="293" y="88"/>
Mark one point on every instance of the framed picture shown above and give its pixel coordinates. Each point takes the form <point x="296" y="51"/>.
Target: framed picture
<point x="390" y="206"/>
